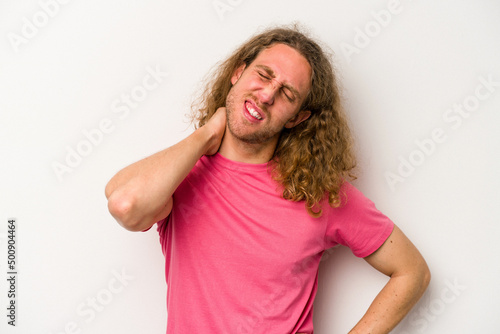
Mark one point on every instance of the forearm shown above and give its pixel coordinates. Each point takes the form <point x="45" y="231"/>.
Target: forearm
<point x="142" y="192"/>
<point x="392" y="304"/>
<point x="409" y="276"/>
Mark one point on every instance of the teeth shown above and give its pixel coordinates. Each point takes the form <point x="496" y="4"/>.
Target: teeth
<point x="252" y="112"/>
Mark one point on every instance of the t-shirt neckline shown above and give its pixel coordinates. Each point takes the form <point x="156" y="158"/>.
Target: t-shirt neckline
<point x="224" y="162"/>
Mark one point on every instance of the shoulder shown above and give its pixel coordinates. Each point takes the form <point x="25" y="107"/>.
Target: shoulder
<point x="351" y="199"/>
<point x="357" y="222"/>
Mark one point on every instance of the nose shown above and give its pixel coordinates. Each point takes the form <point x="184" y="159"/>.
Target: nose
<point x="268" y="93"/>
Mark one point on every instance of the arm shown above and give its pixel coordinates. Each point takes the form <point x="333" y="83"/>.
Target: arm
<point x="409" y="277"/>
<point x="141" y="194"/>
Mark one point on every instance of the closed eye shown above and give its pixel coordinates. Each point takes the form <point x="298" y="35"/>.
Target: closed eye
<point x="286" y="91"/>
<point x="288" y="94"/>
<point x="264" y="76"/>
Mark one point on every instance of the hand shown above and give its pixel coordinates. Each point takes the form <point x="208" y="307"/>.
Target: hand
<point x="215" y="129"/>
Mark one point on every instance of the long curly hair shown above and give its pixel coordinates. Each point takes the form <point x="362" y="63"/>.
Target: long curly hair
<point x="314" y="158"/>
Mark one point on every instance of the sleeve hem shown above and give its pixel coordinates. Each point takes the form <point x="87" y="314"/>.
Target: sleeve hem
<point x="378" y="243"/>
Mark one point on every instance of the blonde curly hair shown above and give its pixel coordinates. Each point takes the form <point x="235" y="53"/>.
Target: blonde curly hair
<point x="314" y="158"/>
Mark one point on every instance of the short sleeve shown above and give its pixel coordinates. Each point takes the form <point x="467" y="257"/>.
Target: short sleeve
<point x="357" y="223"/>
<point x="162" y="227"/>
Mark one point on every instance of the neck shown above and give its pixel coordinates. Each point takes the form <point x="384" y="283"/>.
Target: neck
<point x="255" y="153"/>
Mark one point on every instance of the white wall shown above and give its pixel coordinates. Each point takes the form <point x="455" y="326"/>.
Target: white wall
<point x="72" y="72"/>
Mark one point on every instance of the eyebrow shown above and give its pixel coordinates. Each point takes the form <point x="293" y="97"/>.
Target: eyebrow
<point x="273" y="75"/>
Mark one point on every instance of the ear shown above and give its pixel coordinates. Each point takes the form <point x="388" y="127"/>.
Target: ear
<point x="298" y="118"/>
<point x="237" y="73"/>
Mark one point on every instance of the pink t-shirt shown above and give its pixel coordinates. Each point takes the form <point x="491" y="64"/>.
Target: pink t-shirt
<point x="241" y="259"/>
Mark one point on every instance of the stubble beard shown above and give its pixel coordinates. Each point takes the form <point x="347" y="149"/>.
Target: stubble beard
<point x="239" y="129"/>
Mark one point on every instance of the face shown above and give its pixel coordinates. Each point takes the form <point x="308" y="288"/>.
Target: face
<point x="266" y="96"/>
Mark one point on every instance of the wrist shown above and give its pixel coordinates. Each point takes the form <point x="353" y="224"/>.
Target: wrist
<point x="204" y="139"/>
<point x="210" y="137"/>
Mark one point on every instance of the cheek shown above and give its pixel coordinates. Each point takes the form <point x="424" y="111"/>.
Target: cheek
<point x="248" y="83"/>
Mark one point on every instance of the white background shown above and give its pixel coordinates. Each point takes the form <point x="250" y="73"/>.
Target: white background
<point x="63" y="78"/>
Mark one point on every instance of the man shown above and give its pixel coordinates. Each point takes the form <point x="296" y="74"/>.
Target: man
<point x="247" y="204"/>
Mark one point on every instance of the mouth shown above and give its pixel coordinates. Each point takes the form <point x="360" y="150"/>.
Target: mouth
<point x="253" y="110"/>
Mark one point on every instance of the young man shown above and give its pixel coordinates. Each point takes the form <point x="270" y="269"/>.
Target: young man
<point x="247" y="204"/>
